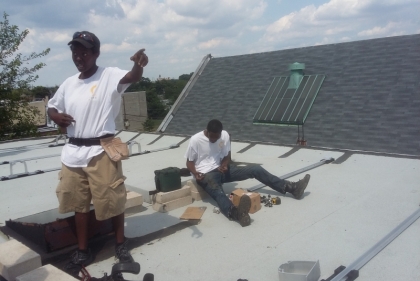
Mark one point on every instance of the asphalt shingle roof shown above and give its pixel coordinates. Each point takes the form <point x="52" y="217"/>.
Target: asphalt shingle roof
<point x="370" y="98"/>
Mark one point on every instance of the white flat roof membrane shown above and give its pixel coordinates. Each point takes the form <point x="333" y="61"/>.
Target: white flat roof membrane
<point x="347" y="208"/>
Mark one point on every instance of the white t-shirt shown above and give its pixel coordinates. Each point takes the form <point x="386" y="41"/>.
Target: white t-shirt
<point x="207" y="156"/>
<point x="94" y="103"/>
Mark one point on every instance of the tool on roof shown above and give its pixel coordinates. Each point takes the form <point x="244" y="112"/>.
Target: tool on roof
<point x="117" y="273"/>
<point x="169" y="179"/>
<point x="307" y="168"/>
<point x="269" y="202"/>
<point x="276" y="201"/>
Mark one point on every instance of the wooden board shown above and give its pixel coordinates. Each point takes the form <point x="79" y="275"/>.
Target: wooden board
<point x="193" y="213"/>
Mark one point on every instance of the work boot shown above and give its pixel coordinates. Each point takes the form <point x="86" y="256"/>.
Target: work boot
<point x="240" y="213"/>
<point x="122" y="253"/>
<point x="79" y="259"/>
<point x="297" y="188"/>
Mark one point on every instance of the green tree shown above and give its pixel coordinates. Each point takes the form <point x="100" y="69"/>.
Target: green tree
<point x="186" y="77"/>
<point x="143" y="85"/>
<point x="40" y="92"/>
<point x="161" y="94"/>
<point x="155" y="107"/>
<point x="16" y="116"/>
<point x="148" y="125"/>
<point x="174" y="89"/>
<point x="170" y="89"/>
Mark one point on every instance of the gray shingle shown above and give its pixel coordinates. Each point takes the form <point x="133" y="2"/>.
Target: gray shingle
<point x="370" y="98"/>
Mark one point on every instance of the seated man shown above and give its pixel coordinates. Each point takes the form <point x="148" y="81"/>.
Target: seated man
<point x="208" y="158"/>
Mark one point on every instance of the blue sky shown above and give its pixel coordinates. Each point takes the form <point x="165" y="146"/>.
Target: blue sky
<point x="177" y="34"/>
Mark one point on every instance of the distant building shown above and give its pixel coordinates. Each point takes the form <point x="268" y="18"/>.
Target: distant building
<point x="163" y="78"/>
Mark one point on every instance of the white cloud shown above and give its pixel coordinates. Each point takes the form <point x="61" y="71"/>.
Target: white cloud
<point x="257" y="28"/>
<point x="338" y="19"/>
<point x="379" y="31"/>
<point x="214" y="43"/>
<point x="29" y="42"/>
<point x="124" y="46"/>
<point x="55" y="36"/>
<point x="341" y="9"/>
<point x="177" y="34"/>
<point x="58" y="57"/>
<point x="192" y="13"/>
<point x="181" y="39"/>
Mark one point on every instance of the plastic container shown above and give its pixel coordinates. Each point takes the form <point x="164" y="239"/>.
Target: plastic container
<point x="300" y="271"/>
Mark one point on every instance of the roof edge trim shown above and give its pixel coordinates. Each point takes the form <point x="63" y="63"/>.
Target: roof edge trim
<point x="184" y="93"/>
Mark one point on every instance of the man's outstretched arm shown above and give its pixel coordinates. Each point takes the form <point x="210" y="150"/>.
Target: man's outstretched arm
<point x="140" y="61"/>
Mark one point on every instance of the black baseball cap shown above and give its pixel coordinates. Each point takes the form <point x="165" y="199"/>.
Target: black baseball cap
<point x="87" y="39"/>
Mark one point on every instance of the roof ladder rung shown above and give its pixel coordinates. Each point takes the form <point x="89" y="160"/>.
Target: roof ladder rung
<point x="12" y="163"/>
<point x="130" y="145"/>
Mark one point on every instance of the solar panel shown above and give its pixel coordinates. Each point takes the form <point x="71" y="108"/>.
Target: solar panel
<point x="282" y="105"/>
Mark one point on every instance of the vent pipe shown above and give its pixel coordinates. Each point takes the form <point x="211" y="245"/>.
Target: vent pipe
<point x="296" y="74"/>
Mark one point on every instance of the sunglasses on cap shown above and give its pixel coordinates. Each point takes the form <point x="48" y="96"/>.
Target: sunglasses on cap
<point x="84" y="36"/>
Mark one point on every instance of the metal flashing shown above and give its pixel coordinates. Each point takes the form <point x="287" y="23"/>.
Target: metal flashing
<point x="184" y="93"/>
<point x="366" y="257"/>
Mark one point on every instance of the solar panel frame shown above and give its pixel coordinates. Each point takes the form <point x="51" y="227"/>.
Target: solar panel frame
<point x="278" y="99"/>
<point x="282" y="105"/>
<point x="315" y="89"/>
<point x="300" y="89"/>
<point x="267" y="97"/>
<point x="307" y="85"/>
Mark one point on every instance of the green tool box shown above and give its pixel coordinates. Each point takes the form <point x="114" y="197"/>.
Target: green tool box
<point x="168" y="179"/>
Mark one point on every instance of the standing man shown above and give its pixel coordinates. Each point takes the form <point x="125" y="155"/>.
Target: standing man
<point x="87" y="104"/>
<point x="208" y="159"/>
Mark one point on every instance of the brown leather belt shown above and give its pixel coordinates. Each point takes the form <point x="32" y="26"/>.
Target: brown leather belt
<point x="89" y="141"/>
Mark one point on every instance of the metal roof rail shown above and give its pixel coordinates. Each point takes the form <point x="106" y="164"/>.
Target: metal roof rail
<point x="307" y="168"/>
<point x="37" y="172"/>
<point x="23" y="161"/>
<point x="156" y="150"/>
<point x="375" y="249"/>
<point x="59" y="137"/>
<point x="184" y="93"/>
<point x="130" y="145"/>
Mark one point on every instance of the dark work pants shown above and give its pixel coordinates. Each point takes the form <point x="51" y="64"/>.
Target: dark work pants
<point x="213" y="181"/>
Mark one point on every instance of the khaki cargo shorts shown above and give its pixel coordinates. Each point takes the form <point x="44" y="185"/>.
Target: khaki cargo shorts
<point x="101" y="182"/>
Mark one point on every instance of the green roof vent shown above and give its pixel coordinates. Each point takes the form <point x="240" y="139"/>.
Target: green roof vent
<point x="296" y="75"/>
